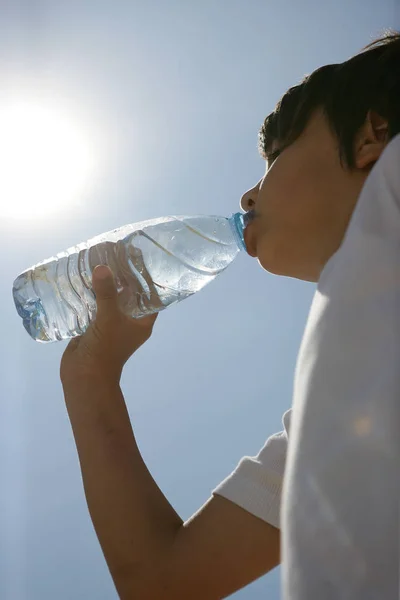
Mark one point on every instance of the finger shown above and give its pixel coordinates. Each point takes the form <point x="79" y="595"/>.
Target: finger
<point x="138" y="260"/>
<point x="105" y="289"/>
<point x="72" y="345"/>
<point x="147" y="320"/>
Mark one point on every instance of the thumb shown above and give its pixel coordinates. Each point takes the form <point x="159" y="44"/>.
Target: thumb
<point x="104" y="287"/>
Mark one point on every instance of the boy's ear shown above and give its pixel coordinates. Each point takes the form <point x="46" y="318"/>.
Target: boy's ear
<point x="370" y="140"/>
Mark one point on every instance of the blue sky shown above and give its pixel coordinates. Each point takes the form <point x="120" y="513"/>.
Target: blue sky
<point x="171" y="96"/>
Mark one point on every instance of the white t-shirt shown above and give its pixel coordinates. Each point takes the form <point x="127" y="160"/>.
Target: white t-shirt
<point x="341" y="492"/>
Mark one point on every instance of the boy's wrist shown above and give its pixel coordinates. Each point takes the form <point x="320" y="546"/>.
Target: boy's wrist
<point x="92" y="402"/>
<point x="88" y="382"/>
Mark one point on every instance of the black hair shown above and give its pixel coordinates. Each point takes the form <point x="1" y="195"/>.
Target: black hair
<point x="346" y="92"/>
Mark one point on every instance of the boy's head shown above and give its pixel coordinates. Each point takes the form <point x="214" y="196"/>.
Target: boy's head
<point x="320" y="144"/>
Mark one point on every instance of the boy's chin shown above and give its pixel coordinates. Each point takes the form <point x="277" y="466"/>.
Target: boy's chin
<point x="270" y="259"/>
<point x="284" y="264"/>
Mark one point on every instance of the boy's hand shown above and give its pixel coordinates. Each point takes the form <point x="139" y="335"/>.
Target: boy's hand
<point x="110" y="339"/>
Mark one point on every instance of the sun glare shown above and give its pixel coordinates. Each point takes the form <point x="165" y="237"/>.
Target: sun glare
<point x="46" y="162"/>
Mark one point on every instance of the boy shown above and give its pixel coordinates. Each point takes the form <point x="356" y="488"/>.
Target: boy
<point x="327" y="210"/>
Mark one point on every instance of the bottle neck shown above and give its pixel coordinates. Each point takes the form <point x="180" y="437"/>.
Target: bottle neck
<point x="238" y="222"/>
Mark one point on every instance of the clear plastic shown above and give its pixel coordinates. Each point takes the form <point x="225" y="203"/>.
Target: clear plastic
<point x="155" y="263"/>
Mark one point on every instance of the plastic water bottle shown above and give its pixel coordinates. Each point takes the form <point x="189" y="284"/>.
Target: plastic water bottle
<point x="155" y="263"/>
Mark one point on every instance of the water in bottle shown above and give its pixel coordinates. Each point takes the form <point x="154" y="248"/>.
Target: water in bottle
<point x="155" y="263"/>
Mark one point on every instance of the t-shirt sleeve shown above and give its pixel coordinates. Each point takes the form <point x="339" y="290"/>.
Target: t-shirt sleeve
<point x="256" y="483"/>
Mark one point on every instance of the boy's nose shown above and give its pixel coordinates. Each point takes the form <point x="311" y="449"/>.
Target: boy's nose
<point x="249" y="199"/>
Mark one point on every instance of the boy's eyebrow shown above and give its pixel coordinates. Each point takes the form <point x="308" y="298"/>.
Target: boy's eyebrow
<point x="263" y="151"/>
<point x="269" y="148"/>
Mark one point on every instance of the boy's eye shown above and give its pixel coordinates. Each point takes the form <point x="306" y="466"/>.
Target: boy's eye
<point x="273" y="156"/>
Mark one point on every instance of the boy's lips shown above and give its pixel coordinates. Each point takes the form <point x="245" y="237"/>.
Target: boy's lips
<point x="250" y="240"/>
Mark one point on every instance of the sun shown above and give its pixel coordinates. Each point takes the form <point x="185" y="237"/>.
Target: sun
<point x="45" y="161"/>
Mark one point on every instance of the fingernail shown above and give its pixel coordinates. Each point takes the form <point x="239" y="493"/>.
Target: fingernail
<point x="102" y="272"/>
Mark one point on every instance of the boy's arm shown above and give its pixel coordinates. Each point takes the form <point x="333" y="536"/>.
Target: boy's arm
<point x="150" y="552"/>
<point x="221" y="549"/>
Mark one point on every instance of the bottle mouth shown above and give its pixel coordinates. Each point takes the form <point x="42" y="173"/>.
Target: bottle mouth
<point x="239" y="222"/>
<point x="249" y="217"/>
